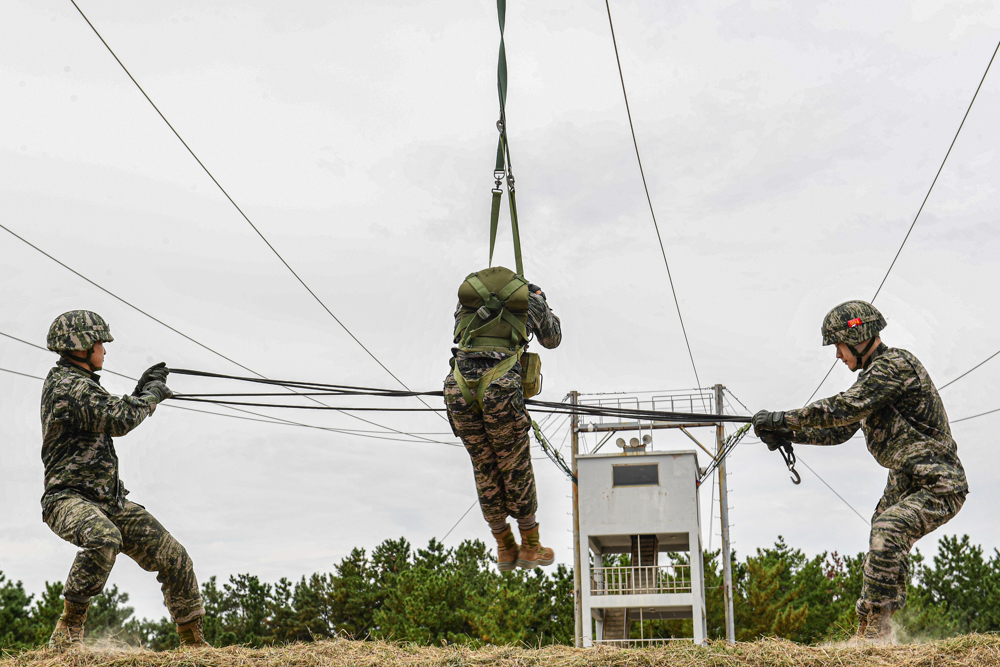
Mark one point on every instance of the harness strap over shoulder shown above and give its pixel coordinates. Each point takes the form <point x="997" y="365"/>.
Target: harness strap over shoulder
<point x="467" y="387"/>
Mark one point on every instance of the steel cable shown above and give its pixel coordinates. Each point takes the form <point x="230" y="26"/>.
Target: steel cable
<point x="235" y="205"/>
<point x="352" y="390"/>
<point x="269" y="419"/>
<point x="922" y="204"/>
<point x="176" y="331"/>
<point x="649" y="199"/>
<point x="948" y="384"/>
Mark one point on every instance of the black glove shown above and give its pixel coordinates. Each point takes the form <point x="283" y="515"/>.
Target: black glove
<point x="158" y="373"/>
<point x="767" y="421"/>
<point x="775" y="439"/>
<point x="157" y="390"/>
<point x="535" y="289"/>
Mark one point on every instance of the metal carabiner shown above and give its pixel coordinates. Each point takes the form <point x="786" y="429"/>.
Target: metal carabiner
<point x="788" y="453"/>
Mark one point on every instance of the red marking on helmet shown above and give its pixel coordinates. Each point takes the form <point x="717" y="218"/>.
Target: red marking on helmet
<point x="856" y="322"/>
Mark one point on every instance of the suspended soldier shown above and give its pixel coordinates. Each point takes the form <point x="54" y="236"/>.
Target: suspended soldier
<point x="906" y="428"/>
<point x="491" y="376"/>
<point x="85" y="501"/>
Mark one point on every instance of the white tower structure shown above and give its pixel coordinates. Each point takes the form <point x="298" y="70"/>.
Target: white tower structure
<point x="644" y="504"/>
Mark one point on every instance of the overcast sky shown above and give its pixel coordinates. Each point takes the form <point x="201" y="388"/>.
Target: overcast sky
<point x="787" y="147"/>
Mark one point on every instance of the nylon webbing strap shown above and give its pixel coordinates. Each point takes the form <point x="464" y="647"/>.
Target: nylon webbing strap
<point x="467" y="387"/>
<point x="494" y="220"/>
<point x="503" y="166"/>
<point x="480" y="288"/>
<point x="517" y="234"/>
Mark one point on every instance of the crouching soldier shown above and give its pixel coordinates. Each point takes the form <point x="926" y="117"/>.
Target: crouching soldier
<point x="906" y="428"/>
<point x="491" y="376"/>
<point x="84" y="501"/>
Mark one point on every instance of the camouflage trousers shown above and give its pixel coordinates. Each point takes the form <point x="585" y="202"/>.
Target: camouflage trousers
<point x="899" y="521"/>
<point x="497" y="442"/>
<point x="102" y="534"/>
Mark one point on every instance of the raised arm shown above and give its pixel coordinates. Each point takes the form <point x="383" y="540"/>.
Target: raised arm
<point x="543" y="322"/>
<point x="98" y="412"/>
<point x="880" y="385"/>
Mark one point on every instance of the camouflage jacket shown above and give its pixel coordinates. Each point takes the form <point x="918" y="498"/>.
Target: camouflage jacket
<point x="904" y="422"/>
<point x="79" y="417"/>
<point x="542" y="322"/>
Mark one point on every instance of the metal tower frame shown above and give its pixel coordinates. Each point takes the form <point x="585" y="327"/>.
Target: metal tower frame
<point x="577" y="427"/>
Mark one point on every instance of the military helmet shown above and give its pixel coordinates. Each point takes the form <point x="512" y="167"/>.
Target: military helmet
<point x="852" y="322"/>
<point x="78" y="330"/>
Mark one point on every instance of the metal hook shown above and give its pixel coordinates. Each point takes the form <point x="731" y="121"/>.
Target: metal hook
<point x="796" y="479"/>
<point x="788" y="453"/>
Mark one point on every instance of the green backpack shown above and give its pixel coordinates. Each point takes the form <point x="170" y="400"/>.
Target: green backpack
<point x="494" y="319"/>
<point x="494" y="312"/>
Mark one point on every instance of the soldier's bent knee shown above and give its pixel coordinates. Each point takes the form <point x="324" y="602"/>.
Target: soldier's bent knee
<point x="107" y="538"/>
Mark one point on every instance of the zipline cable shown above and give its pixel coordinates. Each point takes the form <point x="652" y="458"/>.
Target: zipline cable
<point x="181" y="407"/>
<point x="268" y="419"/>
<point x="537" y="406"/>
<point x="923" y="203"/>
<point x="164" y="324"/>
<point x="649" y="199"/>
<point x="541" y="406"/>
<point x="235" y="205"/>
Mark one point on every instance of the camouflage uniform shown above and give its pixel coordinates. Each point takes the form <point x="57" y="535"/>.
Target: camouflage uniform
<point x="497" y="440"/>
<point x="84" y="499"/>
<point x="906" y="428"/>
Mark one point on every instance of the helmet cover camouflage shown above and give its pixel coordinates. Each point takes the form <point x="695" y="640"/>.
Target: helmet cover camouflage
<point x="852" y="322"/>
<point x="78" y="330"/>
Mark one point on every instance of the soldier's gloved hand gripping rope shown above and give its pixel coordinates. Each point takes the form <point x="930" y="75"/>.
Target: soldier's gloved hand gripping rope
<point x="770" y="428"/>
<point x="157" y="390"/>
<point x="156" y="372"/>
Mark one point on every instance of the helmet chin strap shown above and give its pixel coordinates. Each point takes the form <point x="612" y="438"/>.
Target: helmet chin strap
<point x="87" y="360"/>
<point x="860" y="355"/>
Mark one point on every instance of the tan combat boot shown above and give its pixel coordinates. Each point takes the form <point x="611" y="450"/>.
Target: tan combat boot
<point x="862" y="625"/>
<point x="878" y="627"/>
<point x="69" y="630"/>
<point x="532" y="553"/>
<point x="507" y="550"/>
<point x="192" y="633"/>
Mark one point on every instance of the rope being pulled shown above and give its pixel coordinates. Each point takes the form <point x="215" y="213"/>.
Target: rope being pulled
<point x="329" y="389"/>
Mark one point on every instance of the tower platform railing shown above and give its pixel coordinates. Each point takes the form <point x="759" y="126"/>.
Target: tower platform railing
<point x="640" y="580"/>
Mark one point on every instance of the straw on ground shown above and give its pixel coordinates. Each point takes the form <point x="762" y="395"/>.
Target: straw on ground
<point x="965" y="650"/>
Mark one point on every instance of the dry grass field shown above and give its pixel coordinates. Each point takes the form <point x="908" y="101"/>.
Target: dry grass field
<point x="966" y="650"/>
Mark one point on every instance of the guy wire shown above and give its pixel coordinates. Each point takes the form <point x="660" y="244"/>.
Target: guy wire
<point x="235" y="205"/>
<point x="923" y="203"/>
<point x="969" y="371"/>
<point x="649" y="199"/>
<point x="842" y="499"/>
<point x="164" y="324"/>
<point x="474" y="503"/>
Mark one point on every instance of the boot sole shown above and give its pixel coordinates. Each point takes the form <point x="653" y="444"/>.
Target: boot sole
<point x="532" y="564"/>
<point x="507" y="567"/>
